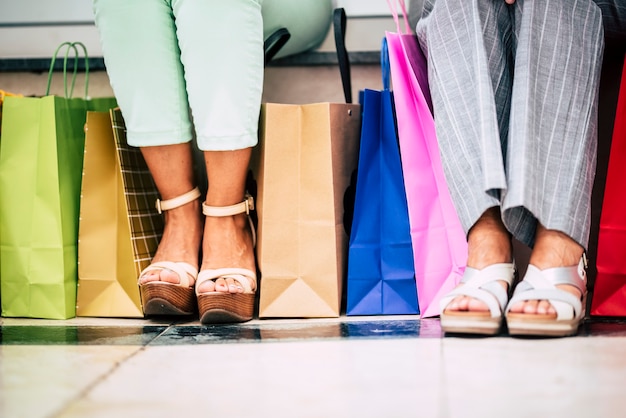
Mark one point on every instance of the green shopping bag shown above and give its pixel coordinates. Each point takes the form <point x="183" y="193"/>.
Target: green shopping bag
<point x="41" y="157"/>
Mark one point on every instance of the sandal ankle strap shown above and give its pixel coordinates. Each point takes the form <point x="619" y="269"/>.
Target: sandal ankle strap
<point x="218" y="211"/>
<point x="162" y="205"/>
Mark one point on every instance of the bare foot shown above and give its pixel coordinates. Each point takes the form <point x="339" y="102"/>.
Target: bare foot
<point x="552" y="249"/>
<point x="180" y="242"/>
<point x="488" y="243"/>
<point x="227" y="243"/>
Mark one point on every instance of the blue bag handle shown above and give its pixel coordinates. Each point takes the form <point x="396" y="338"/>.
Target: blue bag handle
<point x="70" y="46"/>
<point x="384" y="65"/>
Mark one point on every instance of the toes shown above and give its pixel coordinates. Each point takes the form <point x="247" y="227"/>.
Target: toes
<point x="151" y="276"/>
<point x="544" y="307"/>
<point x="169" y="276"/>
<point x="533" y="307"/>
<point x="461" y="303"/>
<point x="163" y="275"/>
<point x="224" y="285"/>
<point x="465" y="303"/>
<point x="221" y="285"/>
<point x="208" y="286"/>
<point x="233" y="286"/>
<point x="476" y="305"/>
<point x="517" y="307"/>
<point x="453" y="305"/>
<point x="530" y="307"/>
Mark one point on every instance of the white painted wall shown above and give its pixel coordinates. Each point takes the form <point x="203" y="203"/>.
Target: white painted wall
<point x="34" y="28"/>
<point x="45" y="11"/>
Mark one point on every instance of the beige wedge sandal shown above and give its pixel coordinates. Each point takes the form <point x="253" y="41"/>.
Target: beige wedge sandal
<point x="542" y="285"/>
<point x="481" y="285"/>
<point x="221" y="307"/>
<point x="164" y="298"/>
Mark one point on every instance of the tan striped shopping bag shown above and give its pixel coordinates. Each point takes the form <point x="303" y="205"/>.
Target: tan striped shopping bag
<point x="119" y="228"/>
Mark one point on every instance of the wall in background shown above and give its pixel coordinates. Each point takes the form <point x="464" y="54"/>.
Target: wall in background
<point x="34" y="28"/>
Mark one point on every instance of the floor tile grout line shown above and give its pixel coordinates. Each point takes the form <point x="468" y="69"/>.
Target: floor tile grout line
<point x="85" y="392"/>
<point x="169" y="327"/>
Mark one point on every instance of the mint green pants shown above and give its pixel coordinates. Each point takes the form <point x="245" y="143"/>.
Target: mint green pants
<point x="185" y="67"/>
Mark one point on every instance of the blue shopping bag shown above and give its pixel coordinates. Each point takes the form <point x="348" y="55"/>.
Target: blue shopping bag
<point x="381" y="273"/>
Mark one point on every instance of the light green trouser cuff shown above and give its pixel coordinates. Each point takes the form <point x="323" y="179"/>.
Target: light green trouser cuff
<point x="171" y="62"/>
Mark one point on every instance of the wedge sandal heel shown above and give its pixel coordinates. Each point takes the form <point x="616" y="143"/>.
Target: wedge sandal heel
<point x="167" y="299"/>
<point x="221" y="307"/>
<point x="224" y="308"/>
<point x="160" y="298"/>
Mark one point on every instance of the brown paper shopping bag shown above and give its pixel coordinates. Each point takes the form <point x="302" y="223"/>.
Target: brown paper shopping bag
<point x="303" y="165"/>
<point x="119" y="228"/>
<point x="304" y="162"/>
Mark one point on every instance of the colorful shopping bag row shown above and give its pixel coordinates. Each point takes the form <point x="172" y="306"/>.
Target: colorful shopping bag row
<point x="41" y="158"/>
<point x="304" y="168"/>
<point x="406" y="242"/>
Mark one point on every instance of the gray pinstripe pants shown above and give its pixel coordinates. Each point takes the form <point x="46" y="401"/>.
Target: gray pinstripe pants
<point x="515" y="93"/>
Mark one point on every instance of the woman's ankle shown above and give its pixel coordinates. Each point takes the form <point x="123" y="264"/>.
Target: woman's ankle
<point x="182" y="234"/>
<point x="554" y="249"/>
<point x="489" y="242"/>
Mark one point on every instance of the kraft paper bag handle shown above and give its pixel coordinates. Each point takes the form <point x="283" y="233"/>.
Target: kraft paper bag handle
<point x="339" y="27"/>
<point x="70" y="46"/>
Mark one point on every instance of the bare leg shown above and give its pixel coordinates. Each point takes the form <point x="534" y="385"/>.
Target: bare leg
<point x="552" y="249"/>
<point x="172" y="169"/>
<point x="488" y="243"/>
<point x="227" y="240"/>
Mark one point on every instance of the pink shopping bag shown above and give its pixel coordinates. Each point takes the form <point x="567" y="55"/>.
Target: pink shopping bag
<point x="439" y="243"/>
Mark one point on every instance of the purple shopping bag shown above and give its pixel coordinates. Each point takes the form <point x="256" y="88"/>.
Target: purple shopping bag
<point x="439" y="242"/>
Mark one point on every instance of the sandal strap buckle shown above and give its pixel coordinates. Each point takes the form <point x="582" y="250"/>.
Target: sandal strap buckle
<point x="163" y="205"/>
<point x="243" y="207"/>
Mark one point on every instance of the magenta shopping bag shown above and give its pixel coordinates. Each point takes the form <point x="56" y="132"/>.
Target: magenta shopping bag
<point x="439" y="243"/>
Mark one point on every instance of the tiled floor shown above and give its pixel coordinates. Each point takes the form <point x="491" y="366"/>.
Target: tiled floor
<point x="394" y="366"/>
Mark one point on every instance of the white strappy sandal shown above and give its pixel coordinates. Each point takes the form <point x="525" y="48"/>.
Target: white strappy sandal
<point x="481" y="285"/>
<point x="163" y="298"/>
<point x="221" y="307"/>
<point x="541" y="285"/>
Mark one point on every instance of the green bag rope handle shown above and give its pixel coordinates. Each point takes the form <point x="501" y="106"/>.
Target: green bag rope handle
<point x="70" y="46"/>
